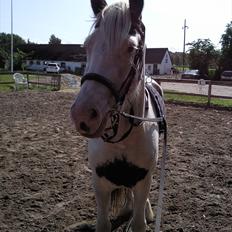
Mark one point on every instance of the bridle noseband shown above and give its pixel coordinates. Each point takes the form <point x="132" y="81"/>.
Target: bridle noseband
<point x="104" y="81"/>
<point x="120" y="94"/>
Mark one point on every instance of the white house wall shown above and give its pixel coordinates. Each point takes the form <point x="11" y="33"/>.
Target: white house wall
<point x="69" y="65"/>
<point x="166" y="65"/>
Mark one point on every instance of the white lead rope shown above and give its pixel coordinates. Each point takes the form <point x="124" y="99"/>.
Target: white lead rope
<point x="162" y="169"/>
<point x="141" y="118"/>
<point x="161" y="187"/>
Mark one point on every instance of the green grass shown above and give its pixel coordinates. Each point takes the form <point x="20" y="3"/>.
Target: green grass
<point x="172" y="97"/>
<point x="6" y="87"/>
<point x="11" y="87"/>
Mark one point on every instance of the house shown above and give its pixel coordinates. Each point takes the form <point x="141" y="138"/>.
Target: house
<point x="157" y="61"/>
<point x="70" y="57"/>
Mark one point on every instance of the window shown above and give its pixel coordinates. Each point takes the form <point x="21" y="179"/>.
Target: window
<point x="166" y="58"/>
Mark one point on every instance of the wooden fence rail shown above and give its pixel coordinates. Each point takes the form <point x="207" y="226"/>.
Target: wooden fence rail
<point x="207" y="82"/>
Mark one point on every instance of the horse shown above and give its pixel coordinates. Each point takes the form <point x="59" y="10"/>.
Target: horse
<point x="109" y="110"/>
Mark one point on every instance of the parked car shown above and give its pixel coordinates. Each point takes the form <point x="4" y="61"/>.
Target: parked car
<point x="226" y="75"/>
<point x="191" y="74"/>
<point x="36" y="67"/>
<point x="53" y="68"/>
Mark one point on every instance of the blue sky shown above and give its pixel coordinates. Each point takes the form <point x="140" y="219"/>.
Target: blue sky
<point x="70" y="20"/>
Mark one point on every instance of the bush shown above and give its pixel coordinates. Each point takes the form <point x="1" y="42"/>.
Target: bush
<point x="211" y="73"/>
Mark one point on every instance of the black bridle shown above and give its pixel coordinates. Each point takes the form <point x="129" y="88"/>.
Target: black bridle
<point x="120" y="94"/>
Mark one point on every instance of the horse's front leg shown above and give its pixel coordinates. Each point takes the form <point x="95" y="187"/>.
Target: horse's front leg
<point x="103" y="199"/>
<point x="141" y="192"/>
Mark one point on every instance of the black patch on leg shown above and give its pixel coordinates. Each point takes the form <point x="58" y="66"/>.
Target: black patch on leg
<point x="121" y="172"/>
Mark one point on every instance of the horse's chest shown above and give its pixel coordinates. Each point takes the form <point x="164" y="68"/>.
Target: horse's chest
<point x="121" y="172"/>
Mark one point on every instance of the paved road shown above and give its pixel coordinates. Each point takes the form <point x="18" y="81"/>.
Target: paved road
<point x="195" y="88"/>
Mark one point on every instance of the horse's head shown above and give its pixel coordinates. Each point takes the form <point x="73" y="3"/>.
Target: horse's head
<point x="113" y="52"/>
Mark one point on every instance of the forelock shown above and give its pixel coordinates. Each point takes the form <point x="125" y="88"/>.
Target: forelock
<point x="115" y="23"/>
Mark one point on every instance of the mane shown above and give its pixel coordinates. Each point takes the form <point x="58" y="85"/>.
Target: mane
<point x="115" y="23"/>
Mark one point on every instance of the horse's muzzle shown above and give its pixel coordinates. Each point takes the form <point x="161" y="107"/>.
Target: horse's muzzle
<point x="88" y="122"/>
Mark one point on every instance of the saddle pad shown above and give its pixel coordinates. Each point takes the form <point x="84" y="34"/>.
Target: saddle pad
<point x="158" y="103"/>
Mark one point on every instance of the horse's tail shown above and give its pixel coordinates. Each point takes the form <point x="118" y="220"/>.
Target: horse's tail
<point x="119" y="198"/>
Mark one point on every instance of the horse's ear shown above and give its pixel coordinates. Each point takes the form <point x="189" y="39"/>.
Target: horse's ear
<point x="136" y="7"/>
<point x="98" y="5"/>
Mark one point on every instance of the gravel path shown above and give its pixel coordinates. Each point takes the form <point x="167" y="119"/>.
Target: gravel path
<point x="197" y="89"/>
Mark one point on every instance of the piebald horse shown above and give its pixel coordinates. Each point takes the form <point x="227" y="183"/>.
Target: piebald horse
<point x="122" y="149"/>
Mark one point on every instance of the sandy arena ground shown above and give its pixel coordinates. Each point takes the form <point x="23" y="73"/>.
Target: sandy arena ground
<point x="45" y="182"/>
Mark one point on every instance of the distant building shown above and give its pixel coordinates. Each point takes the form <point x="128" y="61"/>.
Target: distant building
<point x="158" y="61"/>
<point x="72" y="57"/>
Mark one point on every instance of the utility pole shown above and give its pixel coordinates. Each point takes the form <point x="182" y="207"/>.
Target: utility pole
<point x="12" y="39"/>
<point x="184" y="43"/>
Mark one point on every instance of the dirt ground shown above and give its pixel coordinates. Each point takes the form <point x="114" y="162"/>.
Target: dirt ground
<point x="45" y="182"/>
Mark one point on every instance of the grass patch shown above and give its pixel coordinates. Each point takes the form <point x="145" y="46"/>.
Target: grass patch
<point x="32" y="87"/>
<point x="6" y="78"/>
<point x="201" y="100"/>
<point x="222" y="102"/>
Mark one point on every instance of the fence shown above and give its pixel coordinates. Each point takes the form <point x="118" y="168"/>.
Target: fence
<point x="200" y="83"/>
<point x="34" y="78"/>
<point x="54" y="81"/>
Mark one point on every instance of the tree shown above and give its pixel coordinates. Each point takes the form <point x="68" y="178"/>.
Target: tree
<point x="19" y="58"/>
<point x="226" y="50"/>
<point x="5" y="41"/>
<point x="54" y="40"/>
<point x="202" y="53"/>
<point x="5" y="47"/>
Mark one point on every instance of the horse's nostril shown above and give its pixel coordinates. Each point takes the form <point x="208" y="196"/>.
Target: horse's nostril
<point x="93" y="114"/>
<point x="84" y="127"/>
